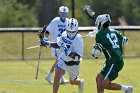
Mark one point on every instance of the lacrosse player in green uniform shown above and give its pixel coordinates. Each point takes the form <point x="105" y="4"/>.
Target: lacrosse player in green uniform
<point x="110" y="42"/>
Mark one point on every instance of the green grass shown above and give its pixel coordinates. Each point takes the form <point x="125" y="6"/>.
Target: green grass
<point x="18" y="76"/>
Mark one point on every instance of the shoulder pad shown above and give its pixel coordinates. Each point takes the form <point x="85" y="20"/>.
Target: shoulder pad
<point x="56" y="18"/>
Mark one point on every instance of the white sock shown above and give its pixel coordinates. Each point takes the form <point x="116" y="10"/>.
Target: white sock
<point x="62" y="78"/>
<point x="124" y="88"/>
<point x="49" y="73"/>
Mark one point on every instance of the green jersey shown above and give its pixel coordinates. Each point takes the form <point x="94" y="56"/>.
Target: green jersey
<point x="111" y="40"/>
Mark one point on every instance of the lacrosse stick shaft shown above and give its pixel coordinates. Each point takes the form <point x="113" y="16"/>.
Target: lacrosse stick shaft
<point x="90" y="34"/>
<point x="37" y="68"/>
<point x="33" y="47"/>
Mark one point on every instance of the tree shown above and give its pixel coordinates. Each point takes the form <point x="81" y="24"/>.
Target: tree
<point x="131" y="11"/>
<point x="46" y="10"/>
<point x="13" y="14"/>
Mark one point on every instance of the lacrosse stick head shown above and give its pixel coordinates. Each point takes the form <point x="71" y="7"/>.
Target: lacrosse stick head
<point x="87" y="9"/>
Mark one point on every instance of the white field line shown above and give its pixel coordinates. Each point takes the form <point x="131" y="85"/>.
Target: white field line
<point x="23" y="82"/>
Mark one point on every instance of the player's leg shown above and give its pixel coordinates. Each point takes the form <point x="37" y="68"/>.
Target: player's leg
<point x="59" y="71"/>
<point x="110" y="86"/>
<point x="110" y="73"/>
<point x="55" y="54"/>
<point x="114" y="86"/>
<point x="73" y="72"/>
<point x="49" y="74"/>
<point x="58" y="53"/>
<point x="80" y="83"/>
<point x="99" y="80"/>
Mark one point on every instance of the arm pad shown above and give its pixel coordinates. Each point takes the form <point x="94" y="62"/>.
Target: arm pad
<point x="54" y="45"/>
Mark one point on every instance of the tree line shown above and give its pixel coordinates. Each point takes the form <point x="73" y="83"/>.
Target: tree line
<point x="32" y="13"/>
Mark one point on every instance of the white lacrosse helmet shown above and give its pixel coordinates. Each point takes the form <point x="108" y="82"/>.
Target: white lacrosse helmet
<point x="72" y="28"/>
<point x="63" y="11"/>
<point x="101" y="19"/>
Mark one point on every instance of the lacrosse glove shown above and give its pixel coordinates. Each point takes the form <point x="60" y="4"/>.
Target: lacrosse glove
<point x="44" y="42"/>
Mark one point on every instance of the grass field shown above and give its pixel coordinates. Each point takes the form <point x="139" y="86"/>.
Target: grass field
<point x="18" y="76"/>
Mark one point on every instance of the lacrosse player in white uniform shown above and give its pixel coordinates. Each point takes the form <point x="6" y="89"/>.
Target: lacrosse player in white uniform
<point x="71" y="45"/>
<point x="56" y="27"/>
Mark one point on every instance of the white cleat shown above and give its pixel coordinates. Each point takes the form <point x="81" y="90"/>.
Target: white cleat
<point x="130" y="90"/>
<point x="48" y="78"/>
<point x="81" y="86"/>
<point x="64" y="81"/>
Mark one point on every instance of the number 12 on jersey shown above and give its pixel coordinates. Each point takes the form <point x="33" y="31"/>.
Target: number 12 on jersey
<point x="113" y="40"/>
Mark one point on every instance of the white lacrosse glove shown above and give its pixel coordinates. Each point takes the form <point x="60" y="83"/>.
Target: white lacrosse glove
<point x="125" y="41"/>
<point x="97" y="51"/>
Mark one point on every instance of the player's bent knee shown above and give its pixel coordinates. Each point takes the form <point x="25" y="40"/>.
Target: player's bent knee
<point x="105" y="84"/>
<point x="72" y="82"/>
<point x="99" y="78"/>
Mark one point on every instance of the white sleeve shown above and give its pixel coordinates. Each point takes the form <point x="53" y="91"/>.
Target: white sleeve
<point x="59" y="41"/>
<point x="78" y="45"/>
<point x="51" y="26"/>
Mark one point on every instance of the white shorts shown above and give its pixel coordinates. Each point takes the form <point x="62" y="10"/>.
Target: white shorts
<point x="73" y="71"/>
<point x="56" y="52"/>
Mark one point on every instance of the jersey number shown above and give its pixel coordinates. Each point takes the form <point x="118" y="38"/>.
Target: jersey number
<point x="61" y="31"/>
<point x="113" y="40"/>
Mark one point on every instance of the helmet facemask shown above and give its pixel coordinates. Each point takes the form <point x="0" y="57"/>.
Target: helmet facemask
<point x="63" y="16"/>
<point x="71" y="34"/>
<point x="72" y="28"/>
<point x="63" y="11"/>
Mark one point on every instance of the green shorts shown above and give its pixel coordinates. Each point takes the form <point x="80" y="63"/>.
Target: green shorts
<point x="112" y="73"/>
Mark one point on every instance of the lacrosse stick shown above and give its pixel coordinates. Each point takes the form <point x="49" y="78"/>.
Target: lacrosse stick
<point x="33" y="47"/>
<point x="91" y="34"/>
<point x="37" y="69"/>
<point x="87" y="9"/>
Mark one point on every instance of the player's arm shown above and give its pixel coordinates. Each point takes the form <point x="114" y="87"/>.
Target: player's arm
<point x="46" y="33"/>
<point x="46" y="42"/>
<point x="124" y="40"/>
<point x="97" y="48"/>
<point x="78" y="45"/>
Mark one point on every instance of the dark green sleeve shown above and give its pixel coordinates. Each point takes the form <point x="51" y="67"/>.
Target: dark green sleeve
<point x="120" y="38"/>
<point x="97" y="39"/>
